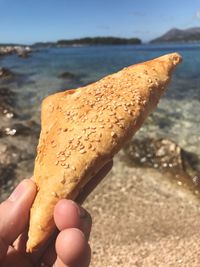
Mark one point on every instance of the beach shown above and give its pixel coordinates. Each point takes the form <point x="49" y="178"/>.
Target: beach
<point x="146" y="210"/>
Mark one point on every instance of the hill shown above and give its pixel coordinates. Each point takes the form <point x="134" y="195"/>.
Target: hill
<point x="90" y="41"/>
<point x="179" y="35"/>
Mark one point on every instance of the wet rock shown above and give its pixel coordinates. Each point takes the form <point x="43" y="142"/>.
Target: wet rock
<point x="6" y="74"/>
<point x="9" y="154"/>
<point x="12" y="159"/>
<point x="68" y="75"/>
<point x="24" y="129"/>
<point x="161" y="153"/>
<point x="7" y="101"/>
<point x="23" y="52"/>
<point x="167" y="156"/>
<point x="7" y="176"/>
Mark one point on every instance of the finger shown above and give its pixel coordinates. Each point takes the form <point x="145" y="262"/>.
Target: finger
<point x="94" y="182"/>
<point x="72" y="249"/>
<point x="14" y="258"/>
<point x="68" y="214"/>
<point x="82" y="196"/>
<point x="14" y="214"/>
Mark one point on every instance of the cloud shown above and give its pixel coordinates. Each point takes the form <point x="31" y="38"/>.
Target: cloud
<point x="198" y="14"/>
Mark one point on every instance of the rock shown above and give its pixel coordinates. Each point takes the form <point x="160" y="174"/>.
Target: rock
<point x="7" y="101"/>
<point x="22" y="51"/>
<point x="68" y="75"/>
<point x="23" y="129"/>
<point x="16" y="163"/>
<point x="161" y="153"/>
<point x="167" y="156"/>
<point x="7" y="176"/>
<point x="6" y="73"/>
<point x="9" y="154"/>
<point x="23" y="54"/>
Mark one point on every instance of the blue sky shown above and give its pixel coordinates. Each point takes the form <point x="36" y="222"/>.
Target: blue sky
<point x="26" y="21"/>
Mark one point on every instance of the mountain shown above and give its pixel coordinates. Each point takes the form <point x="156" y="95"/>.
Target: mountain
<point x="178" y="35"/>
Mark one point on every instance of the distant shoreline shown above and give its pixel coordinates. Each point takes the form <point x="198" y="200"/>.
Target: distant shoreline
<point x="82" y="41"/>
<point x="90" y="41"/>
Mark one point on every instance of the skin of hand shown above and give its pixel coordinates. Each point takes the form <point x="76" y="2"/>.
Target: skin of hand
<point x="68" y="246"/>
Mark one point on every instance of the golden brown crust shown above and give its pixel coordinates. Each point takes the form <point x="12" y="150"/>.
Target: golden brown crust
<point x="83" y="129"/>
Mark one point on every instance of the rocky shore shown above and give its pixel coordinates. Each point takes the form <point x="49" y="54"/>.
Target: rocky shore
<point x="18" y="140"/>
<point x="21" y="51"/>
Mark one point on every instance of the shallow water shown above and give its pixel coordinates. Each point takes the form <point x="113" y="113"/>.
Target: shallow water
<point x="177" y="116"/>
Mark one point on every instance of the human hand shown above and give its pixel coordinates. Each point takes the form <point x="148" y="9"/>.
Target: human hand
<point x="68" y="248"/>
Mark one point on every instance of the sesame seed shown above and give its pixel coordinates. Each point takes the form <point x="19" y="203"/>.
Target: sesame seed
<point x="56" y="163"/>
<point x="67" y="153"/>
<point x="113" y="134"/>
<point x="82" y="151"/>
<point x="73" y="168"/>
<point x="62" y="180"/>
<point x="54" y="194"/>
<point x="66" y="166"/>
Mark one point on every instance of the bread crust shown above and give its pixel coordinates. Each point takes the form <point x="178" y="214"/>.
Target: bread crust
<point x="83" y="129"/>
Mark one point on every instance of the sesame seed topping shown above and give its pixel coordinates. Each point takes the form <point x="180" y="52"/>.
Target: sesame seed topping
<point x="63" y="158"/>
<point x="113" y="134"/>
<point x="56" y="163"/>
<point x="67" y="153"/>
<point x="82" y="151"/>
<point x="54" y="194"/>
<point x="62" y="180"/>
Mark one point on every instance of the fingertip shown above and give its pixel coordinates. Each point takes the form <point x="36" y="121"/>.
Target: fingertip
<point x="72" y="248"/>
<point x="66" y="214"/>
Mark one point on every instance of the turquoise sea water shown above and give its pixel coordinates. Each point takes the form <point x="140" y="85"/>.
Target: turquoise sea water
<point x="178" y="113"/>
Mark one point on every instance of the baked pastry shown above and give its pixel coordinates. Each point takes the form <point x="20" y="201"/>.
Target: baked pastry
<point x="83" y="129"/>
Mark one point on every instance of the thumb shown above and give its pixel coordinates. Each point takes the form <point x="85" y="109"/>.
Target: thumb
<point x="14" y="214"/>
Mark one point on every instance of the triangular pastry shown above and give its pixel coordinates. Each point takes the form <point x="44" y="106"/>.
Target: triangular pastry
<point x="83" y="129"/>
